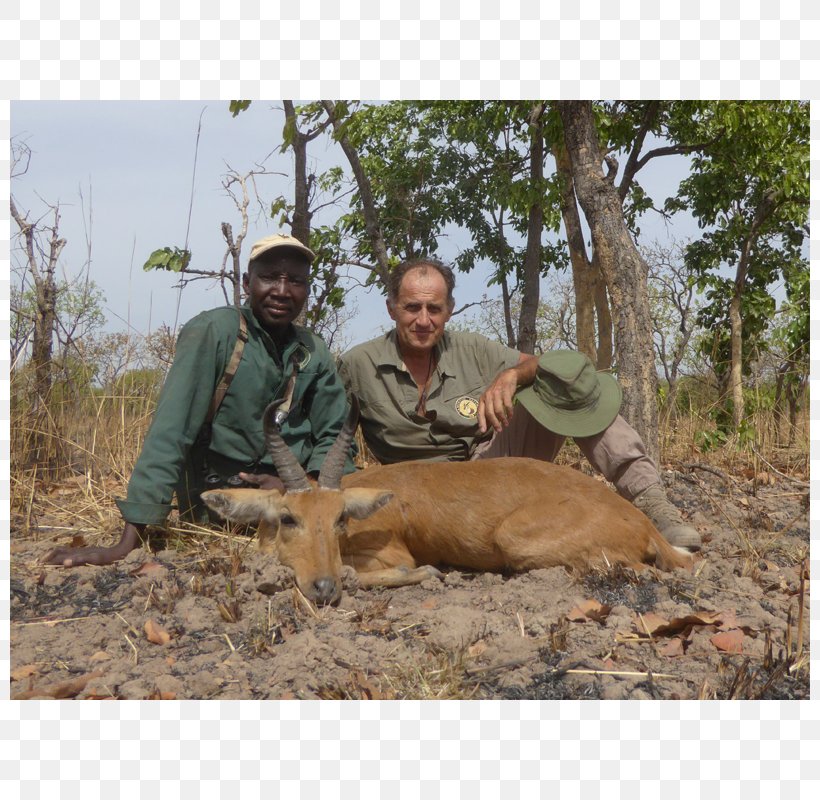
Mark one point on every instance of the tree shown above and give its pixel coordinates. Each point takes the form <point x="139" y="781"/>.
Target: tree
<point x="673" y="307"/>
<point x="591" y="303"/>
<point x="622" y="266"/>
<point x="531" y="273"/>
<point x="52" y="316"/>
<point x="336" y="113"/>
<point x="238" y="187"/>
<point x="40" y="245"/>
<point x="555" y="320"/>
<point x="750" y="189"/>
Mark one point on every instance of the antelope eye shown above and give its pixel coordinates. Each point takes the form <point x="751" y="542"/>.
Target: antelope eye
<point x="287" y="520"/>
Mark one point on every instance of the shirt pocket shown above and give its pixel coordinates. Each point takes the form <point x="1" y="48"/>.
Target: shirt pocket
<point x="459" y="410"/>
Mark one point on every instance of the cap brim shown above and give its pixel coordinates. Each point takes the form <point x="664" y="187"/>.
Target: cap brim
<point x="587" y="422"/>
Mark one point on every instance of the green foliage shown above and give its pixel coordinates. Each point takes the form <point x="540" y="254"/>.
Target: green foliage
<point x="78" y="307"/>
<point x="749" y="191"/>
<point x="236" y="107"/>
<point x="707" y="441"/>
<point x="171" y="259"/>
<point x="140" y="382"/>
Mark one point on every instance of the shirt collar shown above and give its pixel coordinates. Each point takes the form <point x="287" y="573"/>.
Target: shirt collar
<point x="388" y="354"/>
<point x="296" y="336"/>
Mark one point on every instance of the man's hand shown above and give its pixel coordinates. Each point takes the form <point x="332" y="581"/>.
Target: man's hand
<point x="263" y="481"/>
<point x="495" y="406"/>
<point x="98" y="556"/>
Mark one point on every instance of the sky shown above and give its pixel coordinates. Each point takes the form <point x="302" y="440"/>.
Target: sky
<point x="122" y="174"/>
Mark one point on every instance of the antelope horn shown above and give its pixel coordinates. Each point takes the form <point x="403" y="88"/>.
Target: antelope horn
<point x="287" y="467"/>
<point x="330" y="475"/>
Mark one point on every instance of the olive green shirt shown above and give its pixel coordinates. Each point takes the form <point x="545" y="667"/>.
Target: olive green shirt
<point x="174" y="458"/>
<point x="388" y="396"/>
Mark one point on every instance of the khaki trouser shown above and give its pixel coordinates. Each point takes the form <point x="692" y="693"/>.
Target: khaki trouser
<point x="618" y="453"/>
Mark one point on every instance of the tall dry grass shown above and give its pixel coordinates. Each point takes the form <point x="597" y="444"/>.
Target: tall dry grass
<point x="72" y="452"/>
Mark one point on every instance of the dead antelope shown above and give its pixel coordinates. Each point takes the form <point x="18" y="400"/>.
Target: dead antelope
<point x="392" y="524"/>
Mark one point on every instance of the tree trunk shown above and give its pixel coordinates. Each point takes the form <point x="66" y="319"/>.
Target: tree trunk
<point x="531" y="279"/>
<point x="622" y="266"/>
<point x="583" y="277"/>
<point x="602" y="312"/>
<point x="508" y="321"/>
<point x="300" y="224"/>
<point x="371" y="215"/>
<point x="234" y="250"/>
<point x="43" y="277"/>
<point x="736" y="366"/>
<point x="764" y="210"/>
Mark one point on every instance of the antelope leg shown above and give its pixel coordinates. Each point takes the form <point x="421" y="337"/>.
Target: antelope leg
<point x="398" y="576"/>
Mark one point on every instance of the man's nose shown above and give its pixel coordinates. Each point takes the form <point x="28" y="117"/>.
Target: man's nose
<point x="280" y="283"/>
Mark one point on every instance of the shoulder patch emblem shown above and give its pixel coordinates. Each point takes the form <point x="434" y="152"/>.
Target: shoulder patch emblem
<point x="467" y="406"/>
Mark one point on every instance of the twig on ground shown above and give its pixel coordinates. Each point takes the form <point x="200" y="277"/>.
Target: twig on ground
<point x="133" y="647"/>
<point x="778" y="472"/>
<point x="50" y="622"/>
<point x="691" y="465"/>
<point x="297" y="593"/>
<point x="127" y="624"/>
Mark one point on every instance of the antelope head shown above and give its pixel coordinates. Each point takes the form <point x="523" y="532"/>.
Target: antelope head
<point x="302" y="526"/>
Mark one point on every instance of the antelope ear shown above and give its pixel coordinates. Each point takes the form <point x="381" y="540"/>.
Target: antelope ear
<point x="361" y="503"/>
<point x="245" y="505"/>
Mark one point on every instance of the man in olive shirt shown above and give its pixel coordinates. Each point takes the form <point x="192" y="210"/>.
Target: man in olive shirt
<point x="178" y="453"/>
<point x="428" y="393"/>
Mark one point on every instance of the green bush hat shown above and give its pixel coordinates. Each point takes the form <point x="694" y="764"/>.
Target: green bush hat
<point x="569" y="397"/>
<point x="280" y="240"/>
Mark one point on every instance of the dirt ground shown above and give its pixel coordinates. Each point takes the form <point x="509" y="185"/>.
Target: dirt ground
<point x="212" y="618"/>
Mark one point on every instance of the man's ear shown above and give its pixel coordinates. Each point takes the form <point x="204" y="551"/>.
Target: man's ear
<point x="390" y="310"/>
<point x="246" y="279"/>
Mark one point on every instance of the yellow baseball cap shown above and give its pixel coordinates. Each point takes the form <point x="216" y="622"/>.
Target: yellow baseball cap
<point x="280" y="240"/>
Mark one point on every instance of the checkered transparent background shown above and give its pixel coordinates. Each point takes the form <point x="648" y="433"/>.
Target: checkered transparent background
<point x="121" y="49"/>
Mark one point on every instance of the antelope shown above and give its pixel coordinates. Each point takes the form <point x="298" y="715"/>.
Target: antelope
<point x="393" y="524"/>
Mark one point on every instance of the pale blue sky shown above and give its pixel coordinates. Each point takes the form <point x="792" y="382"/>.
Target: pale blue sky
<point x="134" y="160"/>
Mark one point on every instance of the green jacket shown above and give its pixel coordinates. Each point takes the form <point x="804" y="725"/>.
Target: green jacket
<point x="172" y="460"/>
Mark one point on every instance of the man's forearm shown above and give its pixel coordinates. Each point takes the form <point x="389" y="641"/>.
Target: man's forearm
<point x="525" y="369"/>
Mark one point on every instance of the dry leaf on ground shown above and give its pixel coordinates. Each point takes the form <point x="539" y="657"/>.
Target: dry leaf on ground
<point x="147" y="568"/>
<point x="589" y="610"/>
<point x="60" y="691"/>
<point x="156" y="633"/>
<point x="729" y="641"/>
<point x="654" y="625"/>
<point x="25" y="671"/>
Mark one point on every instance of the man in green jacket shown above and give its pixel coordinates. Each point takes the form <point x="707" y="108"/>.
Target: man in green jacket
<point x="182" y="449"/>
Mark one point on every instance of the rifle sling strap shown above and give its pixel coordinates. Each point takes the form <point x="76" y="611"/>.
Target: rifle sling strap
<point x="230" y="370"/>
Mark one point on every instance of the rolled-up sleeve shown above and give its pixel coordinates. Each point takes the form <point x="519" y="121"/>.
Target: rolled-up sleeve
<point x="181" y="411"/>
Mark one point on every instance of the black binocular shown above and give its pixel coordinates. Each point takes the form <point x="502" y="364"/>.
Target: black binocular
<point x="215" y="481"/>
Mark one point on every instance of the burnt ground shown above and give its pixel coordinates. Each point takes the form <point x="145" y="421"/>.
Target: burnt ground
<point x="184" y="617"/>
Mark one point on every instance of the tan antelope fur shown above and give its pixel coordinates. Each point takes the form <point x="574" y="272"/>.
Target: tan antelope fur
<point x="394" y="523"/>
